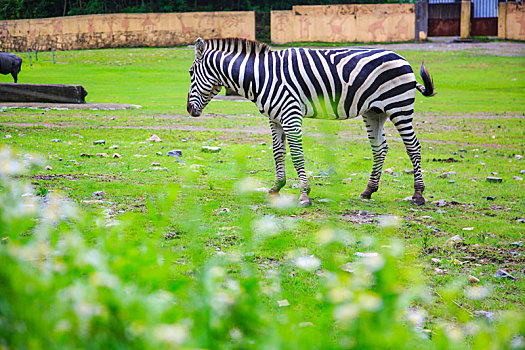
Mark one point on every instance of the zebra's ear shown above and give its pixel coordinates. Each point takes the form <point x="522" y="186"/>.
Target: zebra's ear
<point x="200" y="46"/>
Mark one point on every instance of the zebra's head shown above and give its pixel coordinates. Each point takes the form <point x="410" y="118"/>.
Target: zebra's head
<point x="204" y="83"/>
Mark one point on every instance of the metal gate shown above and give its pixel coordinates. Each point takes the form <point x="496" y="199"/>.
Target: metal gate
<point x="444" y="17"/>
<point x="484" y="21"/>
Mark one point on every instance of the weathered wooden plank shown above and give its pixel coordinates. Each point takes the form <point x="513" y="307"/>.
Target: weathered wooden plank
<point x="56" y="93"/>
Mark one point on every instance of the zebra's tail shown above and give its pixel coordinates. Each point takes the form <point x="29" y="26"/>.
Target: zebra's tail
<point x="428" y="89"/>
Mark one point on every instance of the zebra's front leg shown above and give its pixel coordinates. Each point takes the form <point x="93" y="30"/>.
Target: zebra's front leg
<point x="295" y="141"/>
<point x="376" y="134"/>
<point x="279" y="153"/>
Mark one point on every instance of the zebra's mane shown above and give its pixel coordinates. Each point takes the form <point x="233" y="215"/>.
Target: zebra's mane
<point x="236" y="44"/>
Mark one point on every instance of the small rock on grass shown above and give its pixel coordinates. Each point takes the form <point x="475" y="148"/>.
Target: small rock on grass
<point x="158" y="168"/>
<point x="116" y="155"/>
<point x="325" y="200"/>
<point x="494" y="179"/>
<point x="159" y="153"/>
<point x="440" y="203"/>
<point x="491" y="198"/>
<point x="517" y="178"/>
<point x="472" y="279"/>
<point x="154" y="138"/>
<point x="114" y="147"/>
<point x="174" y="153"/>
<point x="98" y="194"/>
<point x="210" y="149"/>
<point x="306" y="324"/>
<point x="222" y="211"/>
<point x="102" y="155"/>
<point x="48" y="167"/>
<point x="503" y="274"/>
<point x="155" y="164"/>
<point x="348" y="267"/>
<point x="56" y="140"/>
<point x="487" y="314"/>
<point x="99" y="142"/>
<point x="436" y="260"/>
<point x="454" y="239"/>
<point x="86" y="155"/>
<point x="283" y="303"/>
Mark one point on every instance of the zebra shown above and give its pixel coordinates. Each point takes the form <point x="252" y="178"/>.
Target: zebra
<point x="290" y="84"/>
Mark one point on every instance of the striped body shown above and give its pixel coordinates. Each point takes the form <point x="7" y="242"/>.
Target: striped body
<point x="332" y="84"/>
<point x="290" y="84"/>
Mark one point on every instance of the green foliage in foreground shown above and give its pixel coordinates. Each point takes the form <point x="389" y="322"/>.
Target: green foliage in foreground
<point x="75" y="280"/>
<point x="466" y="81"/>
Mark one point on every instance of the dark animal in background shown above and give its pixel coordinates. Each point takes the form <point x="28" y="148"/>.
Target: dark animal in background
<point x="10" y="64"/>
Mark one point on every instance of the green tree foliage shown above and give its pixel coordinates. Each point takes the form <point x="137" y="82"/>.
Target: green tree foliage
<point x="19" y="9"/>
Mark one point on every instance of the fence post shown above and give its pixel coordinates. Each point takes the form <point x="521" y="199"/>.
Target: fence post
<point x="502" y="20"/>
<point x="464" y="22"/>
<point x="29" y="52"/>
<point x="421" y="32"/>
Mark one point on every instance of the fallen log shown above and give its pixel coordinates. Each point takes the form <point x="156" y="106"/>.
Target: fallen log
<point x="56" y="93"/>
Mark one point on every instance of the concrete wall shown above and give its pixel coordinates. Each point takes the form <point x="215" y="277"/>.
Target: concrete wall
<point x="344" y="23"/>
<point x="123" y="30"/>
<point x="511" y="21"/>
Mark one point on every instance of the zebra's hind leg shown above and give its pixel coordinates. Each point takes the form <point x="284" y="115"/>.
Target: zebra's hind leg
<point x="402" y="119"/>
<point x="279" y="153"/>
<point x="376" y="134"/>
<point x="294" y="134"/>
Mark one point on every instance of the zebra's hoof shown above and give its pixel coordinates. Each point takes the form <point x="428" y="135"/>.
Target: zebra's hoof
<point x="273" y="193"/>
<point x="304" y="201"/>
<point x="365" y="195"/>
<point x="419" y="200"/>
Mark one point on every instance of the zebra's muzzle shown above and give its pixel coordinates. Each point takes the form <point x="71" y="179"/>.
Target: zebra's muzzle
<point x="192" y="111"/>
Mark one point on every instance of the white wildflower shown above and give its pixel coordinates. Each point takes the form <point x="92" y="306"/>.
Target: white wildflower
<point x="248" y="185"/>
<point x="370" y="302"/>
<point x="307" y="263"/>
<point x="266" y="226"/>
<point x="476" y="292"/>
<point x="346" y="312"/>
<point x="171" y="333"/>
<point x="389" y="221"/>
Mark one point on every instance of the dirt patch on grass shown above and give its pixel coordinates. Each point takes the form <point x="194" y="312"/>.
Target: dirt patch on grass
<point x="74" y="177"/>
<point x="484" y="255"/>
<point x="251" y="130"/>
<point x="447" y="44"/>
<point x="66" y="106"/>
<point x="469" y="116"/>
<point x="360" y="217"/>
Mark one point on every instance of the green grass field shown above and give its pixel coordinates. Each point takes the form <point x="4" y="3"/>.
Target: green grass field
<point x="172" y="225"/>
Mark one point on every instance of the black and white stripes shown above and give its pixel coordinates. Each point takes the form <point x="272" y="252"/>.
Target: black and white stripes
<point x="290" y="84"/>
